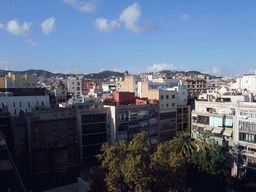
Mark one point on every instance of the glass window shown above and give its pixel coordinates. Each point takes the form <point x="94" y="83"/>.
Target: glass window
<point x="14" y="104"/>
<point x="167" y="96"/>
<point x="167" y="105"/>
<point x="162" y="97"/>
<point x="173" y="96"/>
<point x="20" y="104"/>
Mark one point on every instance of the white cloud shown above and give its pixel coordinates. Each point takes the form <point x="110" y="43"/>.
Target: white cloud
<point x="130" y="16"/>
<point x="82" y="6"/>
<point x="252" y="71"/>
<point x="31" y="42"/>
<point x="160" y="67"/>
<point x="102" y="25"/>
<point x="48" y="25"/>
<point x="185" y="17"/>
<point x="215" y="70"/>
<point x="14" y="28"/>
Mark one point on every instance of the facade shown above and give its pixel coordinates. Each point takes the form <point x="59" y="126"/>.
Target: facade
<point x="245" y="139"/>
<point x="246" y="82"/>
<point x="46" y="149"/>
<point x="119" y="84"/>
<point x="128" y="120"/>
<point x="90" y="84"/>
<point x="218" y="119"/>
<point x="94" y="130"/>
<point x="17" y="104"/>
<point x="109" y="87"/>
<point x="18" y="80"/>
<point x="183" y="118"/>
<point x="131" y="84"/>
<point x="195" y="87"/>
<point x="75" y="86"/>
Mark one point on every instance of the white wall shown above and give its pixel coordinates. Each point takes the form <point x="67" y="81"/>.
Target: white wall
<point x="24" y="100"/>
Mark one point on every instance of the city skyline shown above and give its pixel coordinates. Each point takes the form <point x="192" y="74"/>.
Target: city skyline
<point x="73" y="36"/>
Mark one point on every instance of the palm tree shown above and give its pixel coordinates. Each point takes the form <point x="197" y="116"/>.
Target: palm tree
<point x="183" y="145"/>
<point x="204" y="141"/>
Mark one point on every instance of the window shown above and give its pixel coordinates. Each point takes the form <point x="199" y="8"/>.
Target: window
<point x="162" y="105"/>
<point x="173" y="96"/>
<point x="42" y="103"/>
<point x="20" y="104"/>
<point x="78" y="83"/>
<point x="167" y="96"/>
<point x="173" y="105"/>
<point x="37" y="103"/>
<point x="73" y="87"/>
<point x="28" y="104"/>
<point x="2" y="105"/>
<point x="167" y="105"/>
<point x="14" y="104"/>
<point x="15" y="112"/>
<point x="73" y="84"/>
<point x="78" y="88"/>
<point x="162" y="97"/>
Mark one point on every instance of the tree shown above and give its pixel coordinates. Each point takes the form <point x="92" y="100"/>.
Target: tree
<point x="204" y="141"/>
<point x="208" y="170"/>
<point x="127" y="164"/>
<point x="142" y="167"/>
<point x="183" y="145"/>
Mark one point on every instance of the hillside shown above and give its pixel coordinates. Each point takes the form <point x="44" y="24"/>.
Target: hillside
<point x="188" y="73"/>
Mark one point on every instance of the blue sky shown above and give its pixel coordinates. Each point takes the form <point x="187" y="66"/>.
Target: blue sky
<point x="215" y="37"/>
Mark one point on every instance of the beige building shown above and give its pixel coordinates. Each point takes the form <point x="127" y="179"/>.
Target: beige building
<point x="75" y="86"/>
<point x="131" y="84"/>
<point x="119" y="84"/>
<point x="18" y="80"/>
<point x="167" y="128"/>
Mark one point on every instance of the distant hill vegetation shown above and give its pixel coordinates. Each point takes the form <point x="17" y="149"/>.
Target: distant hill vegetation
<point x="188" y="73"/>
<point x="100" y="75"/>
<point x="40" y="72"/>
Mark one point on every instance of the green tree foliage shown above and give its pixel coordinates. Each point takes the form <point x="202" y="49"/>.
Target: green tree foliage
<point x="204" y="141"/>
<point x="142" y="167"/>
<point x="208" y="170"/>
<point x="182" y="145"/>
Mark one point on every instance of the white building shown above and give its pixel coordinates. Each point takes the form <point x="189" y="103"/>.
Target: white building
<point x="247" y="82"/>
<point x="75" y="86"/>
<point x="16" y="104"/>
<point x="182" y="94"/>
<point x="109" y="87"/>
<point x="245" y="139"/>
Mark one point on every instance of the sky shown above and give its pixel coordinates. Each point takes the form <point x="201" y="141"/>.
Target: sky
<point x="72" y="36"/>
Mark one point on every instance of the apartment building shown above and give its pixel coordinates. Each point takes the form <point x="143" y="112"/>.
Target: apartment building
<point x="246" y="82"/>
<point x="119" y="84"/>
<point x="195" y="87"/>
<point x="245" y="139"/>
<point x="93" y="122"/>
<point x="17" y="104"/>
<point x="131" y="84"/>
<point x="216" y="117"/>
<point x="128" y="120"/>
<point x="167" y="109"/>
<point x="75" y="85"/>
<point x="90" y="84"/>
<point x="18" y="80"/>
<point x="46" y="149"/>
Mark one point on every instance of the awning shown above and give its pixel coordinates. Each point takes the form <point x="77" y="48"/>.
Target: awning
<point x="217" y="130"/>
<point x="208" y="128"/>
<point x="228" y="132"/>
<point x="232" y="108"/>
